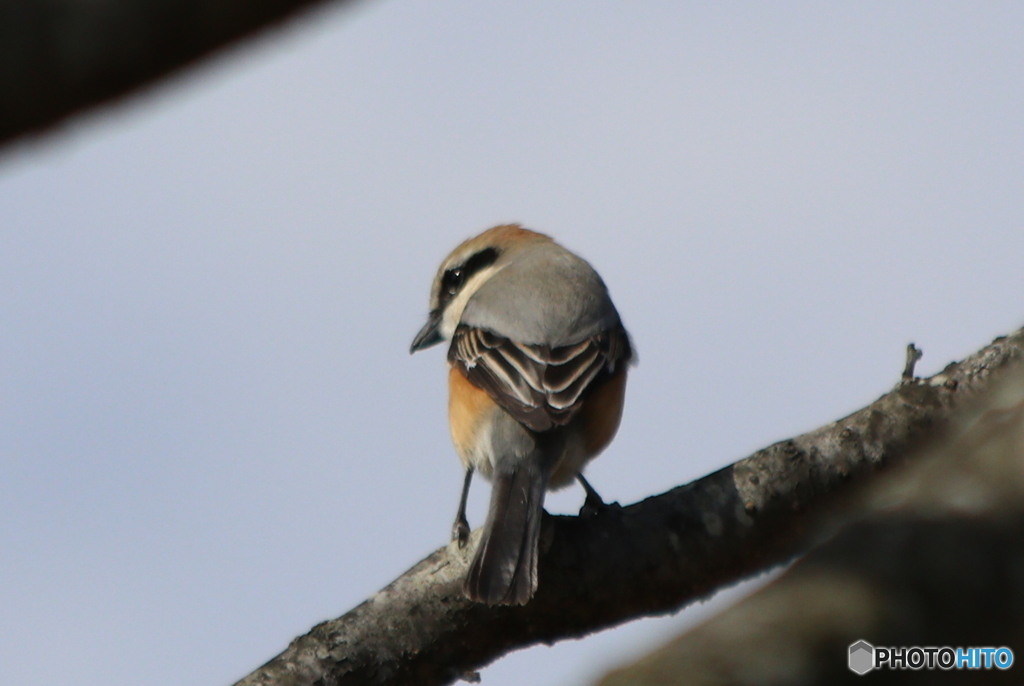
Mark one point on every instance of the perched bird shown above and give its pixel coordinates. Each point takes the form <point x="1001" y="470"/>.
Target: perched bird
<point x="536" y="384"/>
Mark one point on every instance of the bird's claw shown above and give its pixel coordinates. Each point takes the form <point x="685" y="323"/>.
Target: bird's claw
<point x="460" y="532"/>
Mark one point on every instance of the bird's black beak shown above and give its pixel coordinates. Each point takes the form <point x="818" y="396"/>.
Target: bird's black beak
<point x="429" y="335"/>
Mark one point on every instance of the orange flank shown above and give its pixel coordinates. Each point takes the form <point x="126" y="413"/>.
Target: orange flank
<point x="602" y="412"/>
<point x="468" y="409"/>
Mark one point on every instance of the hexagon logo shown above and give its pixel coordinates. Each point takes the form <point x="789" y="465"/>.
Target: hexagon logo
<point x="862" y="657"/>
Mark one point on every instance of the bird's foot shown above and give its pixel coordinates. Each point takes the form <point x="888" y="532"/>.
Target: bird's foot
<point x="460" y="531"/>
<point x="594" y="504"/>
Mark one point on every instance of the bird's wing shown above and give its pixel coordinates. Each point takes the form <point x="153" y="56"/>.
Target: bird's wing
<point x="540" y="386"/>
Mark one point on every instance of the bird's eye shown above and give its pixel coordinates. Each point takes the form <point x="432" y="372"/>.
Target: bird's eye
<point x="454" y="280"/>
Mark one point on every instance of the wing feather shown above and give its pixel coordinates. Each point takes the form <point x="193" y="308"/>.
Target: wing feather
<point x="540" y="386"/>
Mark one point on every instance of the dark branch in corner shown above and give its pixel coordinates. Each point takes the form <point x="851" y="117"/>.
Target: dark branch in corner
<point x="58" y="57"/>
<point x="645" y="559"/>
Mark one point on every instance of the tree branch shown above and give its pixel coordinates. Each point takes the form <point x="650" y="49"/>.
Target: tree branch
<point x="645" y="559"/>
<point x="58" y="57"/>
<point x="930" y="556"/>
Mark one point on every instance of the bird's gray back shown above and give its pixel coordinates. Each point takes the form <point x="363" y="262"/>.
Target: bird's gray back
<point x="547" y="296"/>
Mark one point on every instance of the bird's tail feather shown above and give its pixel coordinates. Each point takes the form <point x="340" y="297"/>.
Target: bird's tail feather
<point x="504" y="568"/>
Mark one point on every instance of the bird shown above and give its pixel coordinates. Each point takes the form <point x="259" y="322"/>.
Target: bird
<point x="537" y="360"/>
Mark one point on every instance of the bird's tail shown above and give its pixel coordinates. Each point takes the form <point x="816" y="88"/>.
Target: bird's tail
<point x="504" y="568"/>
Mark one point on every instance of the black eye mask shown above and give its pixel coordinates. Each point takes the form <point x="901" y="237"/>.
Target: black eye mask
<point x="456" y="277"/>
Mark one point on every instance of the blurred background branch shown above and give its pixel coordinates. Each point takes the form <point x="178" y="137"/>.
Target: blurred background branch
<point x="60" y="57"/>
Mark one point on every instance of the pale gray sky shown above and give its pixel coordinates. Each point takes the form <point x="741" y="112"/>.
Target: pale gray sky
<point x="212" y="436"/>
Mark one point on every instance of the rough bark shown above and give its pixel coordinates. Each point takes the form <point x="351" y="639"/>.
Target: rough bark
<point x="645" y="559"/>
<point x="932" y="558"/>
<point x="58" y="57"/>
